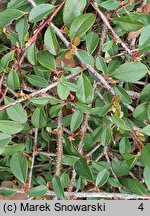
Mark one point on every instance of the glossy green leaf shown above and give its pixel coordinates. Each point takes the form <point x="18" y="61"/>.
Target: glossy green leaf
<point x="85" y="93"/>
<point x="63" y="91"/>
<point x="81" y="25"/>
<point x="92" y="40"/>
<point x="50" y="41"/>
<point x="47" y="60"/>
<point x="72" y="9"/>
<point x="32" y="54"/>
<point x="83" y="170"/>
<point x="124" y="146"/>
<point x="146" y="175"/>
<point x="120" y="123"/>
<point x="38" y="118"/>
<point x="145" y="156"/>
<point x="54" y="110"/>
<point x="40" y="11"/>
<point x="146" y="130"/>
<point x="37" y="191"/>
<point x="110" y="4"/>
<point x="144" y="40"/>
<point x="37" y="81"/>
<point x="134" y="186"/>
<point x="13" y="81"/>
<point x="7" y="58"/>
<point x="16" y="112"/>
<point x="125" y="98"/>
<point x="57" y="187"/>
<point x="7" y="192"/>
<point x="102" y="178"/>
<point x="130" y="71"/>
<point x="10" y="127"/>
<point x="4" y="139"/>
<point x="86" y="57"/>
<point x="8" y="15"/>
<point x="101" y="65"/>
<point x="76" y="120"/>
<point x="22" y="29"/>
<point x="10" y="150"/>
<point x="140" y="112"/>
<point x="145" y="94"/>
<point x="19" y="166"/>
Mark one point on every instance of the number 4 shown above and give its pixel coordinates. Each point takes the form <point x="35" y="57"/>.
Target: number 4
<point x="141" y="207"/>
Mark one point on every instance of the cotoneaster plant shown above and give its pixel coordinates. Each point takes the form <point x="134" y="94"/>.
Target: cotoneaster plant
<point x="75" y="99"/>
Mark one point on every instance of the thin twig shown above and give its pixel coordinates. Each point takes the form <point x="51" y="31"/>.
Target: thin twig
<point x="33" y="156"/>
<point x="82" y="133"/>
<point x="43" y="90"/>
<point x="105" y="20"/>
<point x="59" y="145"/>
<point x="47" y="21"/>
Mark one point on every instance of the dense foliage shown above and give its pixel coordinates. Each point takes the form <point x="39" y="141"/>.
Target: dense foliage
<point x="75" y="98"/>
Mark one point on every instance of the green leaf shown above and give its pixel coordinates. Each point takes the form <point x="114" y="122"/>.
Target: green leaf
<point x="54" y="110"/>
<point x="81" y="25"/>
<point x="76" y="120"/>
<point x="22" y="29"/>
<point x="144" y="40"/>
<point x="57" y="187"/>
<point x="19" y="166"/>
<point x="146" y="130"/>
<point x="8" y="15"/>
<point x="4" y="139"/>
<point x="140" y="112"/>
<point x="65" y="180"/>
<point x="69" y="160"/>
<point x="92" y="40"/>
<point x="106" y="136"/>
<point x="83" y="107"/>
<point x="110" y="4"/>
<point x="102" y="178"/>
<point x="37" y="81"/>
<point x="129" y="23"/>
<point x="32" y="54"/>
<point x="120" y="123"/>
<point x="82" y="169"/>
<point x="124" y="146"/>
<point x="13" y="81"/>
<point x="101" y="65"/>
<point x="7" y="192"/>
<point x="85" y="92"/>
<point x="72" y="9"/>
<point x="146" y="175"/>
<point x="130" y="71"/>
<point x="10" y="150"/>
<point x="10" y="127"/>
<point x="40" y="11"/>
<point x="16" y="112"/>
<point x="125" y="98"/>
<point x="38" y="191"/>
<point x="145" y="96"/>
<point x="134" y="186"/>
<point x="50" y="41"/>
<point x="7" y="58"/>
<point x="38" y="118"/>
<point x="145" y="156"/>
<point x="62" y="90"/>
<point x="40" y="101"/>
<point x="120" y="167"/>
<point x="47" y="60"/>
<point x="105" y="109"/>
<point x="86" y="57"/>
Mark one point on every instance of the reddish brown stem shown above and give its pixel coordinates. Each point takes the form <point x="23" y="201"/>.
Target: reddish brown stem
<point x="48" y="21"/>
